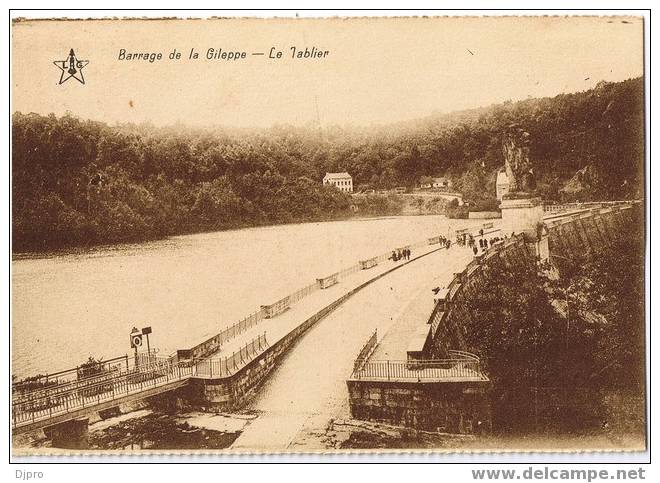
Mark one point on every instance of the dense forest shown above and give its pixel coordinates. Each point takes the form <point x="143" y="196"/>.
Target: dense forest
<point x="566" y="354"/>
<point x="78" y="182"/>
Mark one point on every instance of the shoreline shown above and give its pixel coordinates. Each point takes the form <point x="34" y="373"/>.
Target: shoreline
<point x="81" y="250"/>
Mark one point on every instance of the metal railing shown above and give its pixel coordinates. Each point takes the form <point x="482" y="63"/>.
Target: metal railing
<point x="66" y="376"/>
<point x="109" y="370"/>
<point x="212" y="344"/>
<point x="349" y="271"/>
<point x="303" y="292"/>
<point x="227" y="366"/>
<point x="157" y="371"/>
<point x="61" y="401"/>
<point x="366" y="351"/>
<point x="460" y="368"/>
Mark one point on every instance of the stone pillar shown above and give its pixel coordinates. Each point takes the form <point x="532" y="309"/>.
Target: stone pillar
<point x="70" y="434"/>
<point x="522" y="216"/>
<point x="542" y="249"/>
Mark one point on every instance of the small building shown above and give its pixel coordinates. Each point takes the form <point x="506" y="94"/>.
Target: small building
<point x="343" y="181"/>
<point x="426" y="183"/>
<point x="501" y="184"/>
<point x="435" y="183"/>
<point x="441" y="183"/>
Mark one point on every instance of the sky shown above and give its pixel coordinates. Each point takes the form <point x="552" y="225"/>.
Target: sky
<point x="376" y="71"/>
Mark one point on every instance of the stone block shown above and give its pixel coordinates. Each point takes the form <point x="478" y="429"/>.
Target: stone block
<point x="374" y="396"/>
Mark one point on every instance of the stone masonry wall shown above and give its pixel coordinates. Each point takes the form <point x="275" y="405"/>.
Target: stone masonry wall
<point x="448" y="407"/>
<point x="586" y="232"/>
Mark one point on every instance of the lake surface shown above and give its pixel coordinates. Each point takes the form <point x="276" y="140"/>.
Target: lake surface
<point x="70" y="306"/>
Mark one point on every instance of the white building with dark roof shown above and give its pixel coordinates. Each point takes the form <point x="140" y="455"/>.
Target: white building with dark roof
<point x="441" y="183"/>
<point x="343" y="181"/>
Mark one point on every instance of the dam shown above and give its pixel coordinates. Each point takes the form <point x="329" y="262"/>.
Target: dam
<point x="419" y="357"/>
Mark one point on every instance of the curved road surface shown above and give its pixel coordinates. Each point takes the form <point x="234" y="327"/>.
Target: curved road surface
<point x="308" y="388"/>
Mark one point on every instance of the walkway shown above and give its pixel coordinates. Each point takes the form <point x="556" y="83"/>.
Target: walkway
<point x="394" y="344"/>
<point x="279" y="326"/>
<point x="308" y="388"/>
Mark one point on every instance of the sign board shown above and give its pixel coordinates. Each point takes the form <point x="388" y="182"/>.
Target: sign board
<point x="136" y="339"/>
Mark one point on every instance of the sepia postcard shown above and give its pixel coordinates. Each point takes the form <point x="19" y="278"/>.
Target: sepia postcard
<point x="325" y="235"/>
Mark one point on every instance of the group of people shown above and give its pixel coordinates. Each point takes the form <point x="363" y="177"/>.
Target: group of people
<point x="400" y="254"/>
<point x="445" y="242"/>
<point x="484" y="243"/>
<point x="464" y="239"/>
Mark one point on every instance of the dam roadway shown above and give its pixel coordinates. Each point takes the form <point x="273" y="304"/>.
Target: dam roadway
<point x="308" y="388"/>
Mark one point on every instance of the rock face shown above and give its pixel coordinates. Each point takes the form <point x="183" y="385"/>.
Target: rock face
<point x="582" y="181"/>
<point x="515" y="148"/>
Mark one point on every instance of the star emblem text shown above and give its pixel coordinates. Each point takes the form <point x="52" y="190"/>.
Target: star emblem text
<point x="71" y="68"/>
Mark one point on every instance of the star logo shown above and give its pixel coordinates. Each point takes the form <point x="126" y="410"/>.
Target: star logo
<point x="71" y="68"/>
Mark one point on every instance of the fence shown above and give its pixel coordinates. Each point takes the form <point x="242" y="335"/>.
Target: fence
<point x="66" y="376"/>
<point x="366" y="351"/>
<point x="226" y="366"/>
<point x="211" y="345"/>
<point x="108" y="370"/>
<point x="48" y="404"/>
<point x="349" y="271"/>
<point x="463" y="368"/>
<point x="303" y="292"/>
<point x="140" y="365"/>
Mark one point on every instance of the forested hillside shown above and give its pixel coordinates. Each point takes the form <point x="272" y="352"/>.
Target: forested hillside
<point x="77" y="182"/>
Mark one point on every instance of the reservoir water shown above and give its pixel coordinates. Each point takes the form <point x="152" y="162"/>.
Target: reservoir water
<point x="72" y="305"/>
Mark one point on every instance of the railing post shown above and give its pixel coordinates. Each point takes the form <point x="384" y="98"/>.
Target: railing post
<point x="388" y="369"/>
